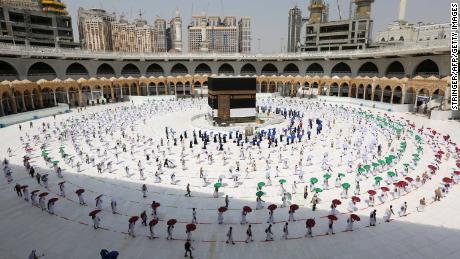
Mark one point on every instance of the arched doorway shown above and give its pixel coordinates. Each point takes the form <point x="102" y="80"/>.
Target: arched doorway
<point x="395" y="69"/>
<point x="368" y="92"/>
<point x="344" y="90"/>
<point x="334" y="90"/>
<point x="427" y="68"/>
<point x="387" y="94"/>
<point x="377" y="94"/>
<point x="397" y="95"/>
<point x="360" y="94"/>
<point x="341" y="69"/>
<point x="248" y="70"/>
<point x="353" y="91"/>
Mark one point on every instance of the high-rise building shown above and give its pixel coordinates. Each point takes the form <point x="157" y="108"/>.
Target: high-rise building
<point x="347" y="34"/>
<point x="95" y="29"/>
<point x="36" y="23"/>
<point x="212" y="34"/>
<point x="244" y="35"/>
<point x="294" y="28"/>
<point x="159" y="35"/>
<point x="100" y="31"/>
<point x="176" y="33"/>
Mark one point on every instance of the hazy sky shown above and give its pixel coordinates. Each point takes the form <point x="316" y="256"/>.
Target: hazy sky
<point x="269" y="17"/>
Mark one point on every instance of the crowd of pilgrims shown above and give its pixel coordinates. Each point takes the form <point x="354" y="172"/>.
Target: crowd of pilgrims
<point x="103" y="140"/>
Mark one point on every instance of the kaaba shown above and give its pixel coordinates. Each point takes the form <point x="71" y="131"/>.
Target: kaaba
<point x="232" y="99"/>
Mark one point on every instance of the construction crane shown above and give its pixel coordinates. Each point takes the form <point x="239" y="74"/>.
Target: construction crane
<point x="338" y="7"/>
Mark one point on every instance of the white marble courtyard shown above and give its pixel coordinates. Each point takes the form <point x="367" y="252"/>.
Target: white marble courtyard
<point x="349" y="138"/>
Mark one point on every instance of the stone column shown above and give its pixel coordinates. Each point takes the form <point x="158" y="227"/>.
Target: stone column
<point x="80" y="98"/>
<point x="148" y="90"/>
<point x="68" y="97"/>
<point x="54" y="97"/>
<point x="32" y="100"/>
<point x="24" y="107"/>
<point x="392" y="94"/>
<point x="92" y="96"/>
<point x="2" y="112"/>
<point x="112" y="93"/>
<point x="121" y="91"/>
<point x="14" y="107"/>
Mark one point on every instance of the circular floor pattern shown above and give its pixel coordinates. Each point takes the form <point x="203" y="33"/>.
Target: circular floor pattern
<point x="342" y="162"/>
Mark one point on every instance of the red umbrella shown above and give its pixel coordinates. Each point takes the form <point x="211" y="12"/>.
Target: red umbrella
<point x="447" y="180"/>
<point x="247" y="209"/>
<point x="133" y="219"/>
<point x="171" y="222"/>
<point x="455" y="172"/>
<point x="156" y="205"/>
<point x="79" y="191"/>
<point x="153" y="222"/>
<point x="336" y="202"/>
<point x="372" y="192"/>
<point x="441" y="152"/>
<point x="294" y="207"/>
<point x="355" y="199"/>
<point x="310" y="223"/>
<point x="272" y="207"/>
<point x="332" y="217"/>
<point x="53" y="200"/>
<point x="190" y="227"/>
<point x="94" y="212"/>
<point x="432" y="167"/>
<point x="42" y="194"/>
<point x="409" y="179"/>
<point x="35" y="191"/>
<point x="24" y="186"/>
<point x="222" y="209"/>
<point x="438" y="156"/>
<point x="355" y="217"/>
<point x="401" y="184"/>
<point x="458" y="165"/>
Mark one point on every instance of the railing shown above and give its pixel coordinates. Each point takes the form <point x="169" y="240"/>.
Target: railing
<point x="429" y="47"/>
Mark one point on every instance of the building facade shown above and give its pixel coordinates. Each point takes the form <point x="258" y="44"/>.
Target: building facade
<point x="95" y="29"/>
<point x="244" y="35"/>
<point x="175" y="33"/>
<point x="101" y="31"/>
<point x="401" y="32"/>
<point x="36" y="23"/>
<point x="349" y="34"/>
<point x="212" y="34"/>
<point x="294" y="28"/>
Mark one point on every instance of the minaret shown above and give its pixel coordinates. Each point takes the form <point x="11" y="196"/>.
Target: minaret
<point x="316" y="9"/>
<point x="402" y="10"/>
<point x="176" y="32"/>
<point x="363" y="9"/>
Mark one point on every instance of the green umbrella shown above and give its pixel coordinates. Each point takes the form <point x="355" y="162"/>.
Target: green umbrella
<point x="392" y="156"/>
<point x="341" y="175"/>
<point x="375" y="165"/>
<point x="55" y="162"/>
<point x="282" y="181"/>
<point x="318" y="190"/>
<point x="415" y="155"/>
<point x="327" y="176"/>
<point x="217" y="185"/>
<point x="261" y="184"/>
<point x="313" y="180"/>
<point x="406" y="164"/>
<point x="346" y="185"/>
<point x="361" y="170"/>
<point x="381" y="162"/>
<point x="391" y="174"/>
<point x="367" y="167"/>
<point x="388" y="160"/>
<point x="259" y="194"/>
<point x="416" y="159"/>
<point x="378" y="179"/>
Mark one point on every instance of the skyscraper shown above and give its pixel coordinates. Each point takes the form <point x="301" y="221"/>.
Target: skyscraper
<point x="294" y="27"/>
<point x="244" y="35"/>
<point x="159" y="35"/>
<point x="212" y="34"/>
<point x="176" y="33"/>
<point x="95" y="29"/>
